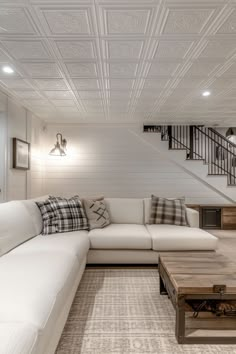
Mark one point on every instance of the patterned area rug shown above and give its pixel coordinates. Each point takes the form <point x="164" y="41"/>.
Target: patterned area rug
<point x="119" y="310"/>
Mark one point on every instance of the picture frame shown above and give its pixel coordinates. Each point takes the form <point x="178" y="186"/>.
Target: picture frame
<point x="21" y="154"/>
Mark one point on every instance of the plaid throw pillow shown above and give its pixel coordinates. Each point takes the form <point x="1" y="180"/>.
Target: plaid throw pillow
<point x="63" y="215"/>
<point x="49" y="217"/>
<point x="168" y="211"/>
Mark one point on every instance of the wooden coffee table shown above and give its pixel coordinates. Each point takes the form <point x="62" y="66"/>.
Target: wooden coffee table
<point x="189" y="277"/>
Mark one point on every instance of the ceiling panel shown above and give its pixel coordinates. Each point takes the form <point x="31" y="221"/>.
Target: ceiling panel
<point x="172" y="49"/>
<point x="81" y="69"/>
<point x="16" y="84"/>
<point x="162" y="69"/>
<point x="3" y="57"/>
<point x="122" y="69"/>
<point x="127" y="21"/>
<point x="27" y="94"/>
<point x="51" y="84"/>
<point x="76" y="49"/>
<point x="229" y="25"/>
<point x="15" y="20"/>
<point x="124" y="49"/>
<point x="218" y="49"/>
<point x="38" y="70"/>
<point x="121" y="84"/>
<point x="26" y="49"/>
<point x="120" y="61"/>
<point x="66" y="21"/>
<point x="86" y="84"/>
<point x="63" y="103"/>
<point x="58" y="94"/>
<point x="186" y="21"/>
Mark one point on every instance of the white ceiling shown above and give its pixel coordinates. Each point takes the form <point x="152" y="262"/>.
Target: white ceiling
<point x="121" y="61"/>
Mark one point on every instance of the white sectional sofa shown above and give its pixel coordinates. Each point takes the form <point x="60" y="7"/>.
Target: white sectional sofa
<point x="39" y="275"/>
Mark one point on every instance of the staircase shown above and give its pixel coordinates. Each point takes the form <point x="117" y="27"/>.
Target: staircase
<point x="206" y="145"/>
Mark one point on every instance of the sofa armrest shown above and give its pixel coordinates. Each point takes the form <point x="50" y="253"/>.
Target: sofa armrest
<point x="192" y="217"/>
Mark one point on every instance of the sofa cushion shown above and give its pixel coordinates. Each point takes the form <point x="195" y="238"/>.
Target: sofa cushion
<point x="75" y="243"/>
<point x="168" y="211"/>
<point x="32" y="283"/>
<point x="16" y="225"/>
<point x="97" y="214"/>
<point x="17" y="338"/>
<point x="120" y="236"/>
<point x="125" y="210"/>
<point x="180" y="238"/>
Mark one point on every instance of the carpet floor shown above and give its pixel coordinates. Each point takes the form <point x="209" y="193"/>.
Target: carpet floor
<point x="119" y="310"/>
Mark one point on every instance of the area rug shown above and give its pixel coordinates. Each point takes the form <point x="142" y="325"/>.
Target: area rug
<point x="120" y="311"/>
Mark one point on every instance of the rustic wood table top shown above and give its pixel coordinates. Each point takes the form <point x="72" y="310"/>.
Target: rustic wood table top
<point x="198" y="272"/>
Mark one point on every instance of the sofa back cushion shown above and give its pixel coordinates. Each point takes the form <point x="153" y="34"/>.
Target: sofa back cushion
<point x="16" y="225"/>
<point x="125" y="210"/>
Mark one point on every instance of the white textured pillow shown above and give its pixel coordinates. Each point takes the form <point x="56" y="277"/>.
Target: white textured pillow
<point x="97" y="213"/>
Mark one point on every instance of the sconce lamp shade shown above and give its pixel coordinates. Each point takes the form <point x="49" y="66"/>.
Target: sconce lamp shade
<point x="229" y="132"/>
<point x="231" y="135"/>
<point x="59" y="147"/>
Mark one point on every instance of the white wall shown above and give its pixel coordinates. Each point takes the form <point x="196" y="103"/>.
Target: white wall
<point x="35" y="176"/>
<point x="112" y="161"/>
<point x="22" y="124"/>
<point x="16" y="127"/>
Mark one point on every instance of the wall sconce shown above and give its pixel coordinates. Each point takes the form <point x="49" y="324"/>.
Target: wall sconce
<point x="231" y="135"/>
<point x="59" y="147"/>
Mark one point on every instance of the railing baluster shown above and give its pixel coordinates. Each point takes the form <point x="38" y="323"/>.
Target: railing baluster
<point x="204" y="143"/>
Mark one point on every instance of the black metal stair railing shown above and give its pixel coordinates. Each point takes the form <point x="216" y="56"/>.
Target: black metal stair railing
<point x="202" y="143"/>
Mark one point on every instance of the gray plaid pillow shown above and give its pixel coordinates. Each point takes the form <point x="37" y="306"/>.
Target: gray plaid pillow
<point x="168" y="211"/>
<point x="49" y="217"/>
<point x="62" y="215"/>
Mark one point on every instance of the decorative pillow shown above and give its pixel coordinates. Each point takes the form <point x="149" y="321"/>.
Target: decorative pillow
<point x="97" y="213"/>
<point x="49" y="217"/>
<point x="100" y="197"/>
<point x="168" y="211"/>
<point x="62" y="215"/>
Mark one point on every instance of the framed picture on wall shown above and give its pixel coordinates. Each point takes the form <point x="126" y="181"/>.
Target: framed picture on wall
<point x="21" y="154"/>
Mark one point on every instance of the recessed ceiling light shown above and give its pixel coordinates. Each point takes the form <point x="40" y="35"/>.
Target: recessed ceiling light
<point x="7" y="70"/>
<point x="206" y="93"/>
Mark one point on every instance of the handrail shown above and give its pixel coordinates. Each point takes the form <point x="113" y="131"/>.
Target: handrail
<point x="203" y="143"/>
<point x="222" y="137"/>
<point x="215" y="141"/>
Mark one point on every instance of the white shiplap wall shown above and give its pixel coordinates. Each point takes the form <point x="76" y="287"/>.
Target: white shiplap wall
<point x="36" y="136"/>
<point x="16" y="128"/>
<point x="112" y="161"/>
<point x="24" y="125"/>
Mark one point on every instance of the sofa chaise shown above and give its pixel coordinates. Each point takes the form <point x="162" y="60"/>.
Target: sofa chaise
<point x="39" y="275"/>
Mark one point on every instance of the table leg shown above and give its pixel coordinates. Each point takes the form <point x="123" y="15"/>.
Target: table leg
<point x="180" y="320"/>
<point x="162" y="287"/>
